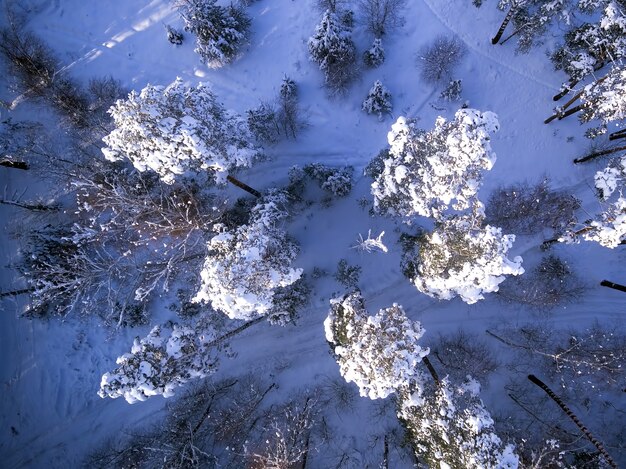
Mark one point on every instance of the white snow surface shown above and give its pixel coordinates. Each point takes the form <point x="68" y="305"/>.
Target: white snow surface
<point x="50" y="413"/>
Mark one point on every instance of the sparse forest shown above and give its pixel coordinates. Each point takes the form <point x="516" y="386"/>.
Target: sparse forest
<point x="325" y="234"/>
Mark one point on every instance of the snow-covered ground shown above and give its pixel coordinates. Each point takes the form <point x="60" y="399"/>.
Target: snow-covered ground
<point x="50" y="414"/>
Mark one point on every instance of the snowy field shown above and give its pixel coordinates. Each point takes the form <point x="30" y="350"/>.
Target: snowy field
<point x="50" y="370"/>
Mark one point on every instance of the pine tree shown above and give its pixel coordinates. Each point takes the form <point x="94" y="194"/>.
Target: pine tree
<point x="247" y="265"/>
<point x="378" y="100"/>
<point x="331" y="47"/>
<point x="220" y="31"/>
<point x="375" y="55"/>
<point x="450" y="427"/>
<point x="428" y="171"/>
<point x="460" y="257"/>
<point x="379" y="353"/>
<point x="176" y="130"/>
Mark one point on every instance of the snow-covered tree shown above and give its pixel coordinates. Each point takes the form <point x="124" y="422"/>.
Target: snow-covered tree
<point x="221" y="31"/>
<point x="460" y="257"/>
<point x="160" y="362"/>
<point x="590" y="46"/>
<point x="379" y="353"/>
<point x="246" y="265"/>
<point x="605" y="101"/>
<point x="428" y="171"/>
<point x="449" y="427"/>
<point x="608" y="228"/>
<point x="375" y="55"/>
<point x="335" y="180"/>
<point x="331" y="47"/>
<point x="378" y="100"/>
<point x="178" y="129"/>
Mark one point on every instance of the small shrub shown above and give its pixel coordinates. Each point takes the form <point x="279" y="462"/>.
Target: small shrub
<point x="263" y="123"/>
<point x="378" y="100"/>
<point x="335" y="180"/>
<point x="375" y="55"/>
<point x="173" y="36"/>
<point x="452" y="91"/>
<point x="347" y="275"/>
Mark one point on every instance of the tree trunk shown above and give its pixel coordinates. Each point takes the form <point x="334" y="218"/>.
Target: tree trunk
<point x="34" y="208"/>
<point x="243" y="186"/>
<point x="385" y="464"/>
<point x="599" y="153"/>
<point x="14" y="164"/>
<point x="431" y="369"/>
<point x="617" y="135"/>
<point x="615" y="286"/>
<point x="533" y="379"/>
<point x="567" y="89"/>
<point x="504" y="24"/>
<point x="571" y="111"/>
<point x="16" y="292"/>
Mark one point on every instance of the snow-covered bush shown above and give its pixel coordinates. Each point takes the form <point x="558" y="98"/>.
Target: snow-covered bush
<point x="462" y="258"/>
<point x="427" y="171"/>
<point x="247" y="264"/>
<point x="335" y="180"/>
<point x="378" y="353"/>
<point x="378" y="100"/>
<point x="452" y="91"/>
<point x="331" y="47"/>
<point x="173" y="36"/>
<point x="438" y="60"/>
<point x="161" y="362"/>
<point x="178" y="129"/>
<point x="221" y="31"/>
<point x="608" y="228"/>
<point x="375" y="55"/>
<point x="449" y="427"/>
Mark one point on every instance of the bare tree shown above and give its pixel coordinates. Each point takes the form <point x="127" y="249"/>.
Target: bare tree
<point x="382" y="16"/>
<point x="438" y="60"/>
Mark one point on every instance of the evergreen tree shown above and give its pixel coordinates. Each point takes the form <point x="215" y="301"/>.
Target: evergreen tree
<point x="247" y="265"/>
<point x="428" y="171"/>
<point x="378" y="353"/>
<point x="176" y="130"/>
<point x="460" y="257"/>
<point x="331" y="47"/>
<point x="450" y="427"/>
<point x="375" y="55"/>
<point x="378" y="100"/>
<point x="220" y="31"/>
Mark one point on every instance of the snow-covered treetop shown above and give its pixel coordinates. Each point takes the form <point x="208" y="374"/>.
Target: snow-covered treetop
<point x="428" y="171"/>
<point x="178" y="129"/>
<point x="608" y="228"/>
<point x="379" y="353"/>
<point x="247" y="264"/>
<point x="160" y="362"/>
<point x="605" y="100"/>
<point x="451" y="428"/>
<point x="378" y="100"/>
<point x="460" y="257"/>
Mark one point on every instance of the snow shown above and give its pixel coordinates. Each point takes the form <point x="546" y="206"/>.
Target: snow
<point x="51" y="371"/>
